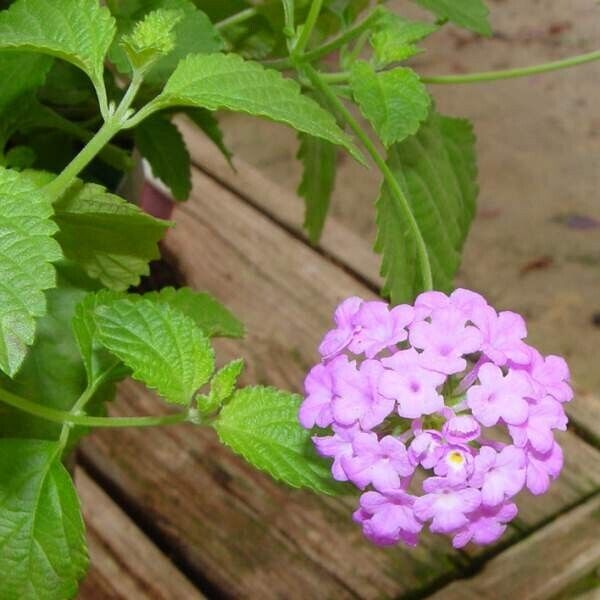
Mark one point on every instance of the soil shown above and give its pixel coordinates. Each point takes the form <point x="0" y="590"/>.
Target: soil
<point x="535" y="244"/>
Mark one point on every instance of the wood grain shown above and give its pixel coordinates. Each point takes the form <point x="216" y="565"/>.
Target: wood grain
<point x="540" y="567"/>
<point x="339" y="241"/>
<point x="125" y="563"/>
<point x="248" y="536"/>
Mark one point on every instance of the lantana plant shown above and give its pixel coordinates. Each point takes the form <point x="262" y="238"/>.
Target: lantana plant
<point x="89" y="86"/>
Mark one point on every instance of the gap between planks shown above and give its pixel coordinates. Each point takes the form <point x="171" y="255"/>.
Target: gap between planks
<point x="246" y="535"/>
<point x="338" y="243"/>
<point x="124" y="563"/>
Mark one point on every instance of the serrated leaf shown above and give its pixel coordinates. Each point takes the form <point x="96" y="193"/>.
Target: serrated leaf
<point x="27" y="250"/>
<point x="113" y="240"/>
<point x="78" y="31"/>
<point x="437" y="171"/>
<point x="261" y="424"/>
<point x="161" y="144"/>
<point x="206" y="121"/>
<point x="318" y="179"/>
<point x="151" y="38"/>
<point x="222" y="386"/>
<point x="193" y="34"/>
<point x="216" y="81"/>
<point x="395" y="102"/>
<point x="395" y="38"/>
<point x="209" y="314"/>
<point x="471" y="14"/>
<point x="52" y="373"/>
<point x="163" y="347"/>
<point x="42" y="537"/>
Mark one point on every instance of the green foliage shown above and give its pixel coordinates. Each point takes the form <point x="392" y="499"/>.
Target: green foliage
<point x="318" y="178"/>
<point x="52" y="373"/>
<point x="42" y="539"/>
<point x="21" y="73"/>
<point x="261" y="424"/>
<point x="193" y="33"/>
<point x="437" y="171"/>
<point x="113" y="240"/>
<point x="78" y="31"/>
<point x="471" y="14"/>
<point x="395" y="102"/>
<point x="164" y="348"/>
<point x="161" y="144"/>
<point x="151" y="38"/>
<point x="395" y="37"/>
<point x="26" y="251"/>
<point x="222" y="386"/>
<point x="207" y="313"/>
<point x="215" y="81"/>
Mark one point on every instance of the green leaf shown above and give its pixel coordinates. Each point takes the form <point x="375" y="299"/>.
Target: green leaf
<point x="209" y="314"/>
<point x="395" y="102"/>
<point x="161" y="144"/>
<point x="164" y="348"/>
<point x="19" y="158"/>
<point x="78" y="31"/>
<point x="395" y="38"/>
<point x="194" y="33"/>
<point x="318" y="179"/>
<point x="42" y="539"/>
<point x="113" y="240"/>
<point x="261" y="424"/>
<point x="96" y="359"/>
<point x="151" y="38"/>
<point x="20" y="73"/>
<point x="216" y="81"/>
<point x="222" y="386"/>
<point x="206" y="121"/>
<point x="471" y="14"/>
<point x="26" y="251"/>
<point x="437" y="171"/>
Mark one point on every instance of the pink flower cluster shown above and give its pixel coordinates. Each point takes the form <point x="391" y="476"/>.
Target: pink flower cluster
<point x="447" y="387"/>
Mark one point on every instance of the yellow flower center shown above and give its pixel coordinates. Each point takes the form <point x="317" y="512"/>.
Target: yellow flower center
<point x="456" y="458"/>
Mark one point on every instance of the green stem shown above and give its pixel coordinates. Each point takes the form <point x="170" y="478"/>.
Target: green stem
<point x="113" y="124"/>
<point x="392" y="183"/>
<point x="514" y="73"/>
<point x="240" y="17"/>
<point x="64" y="417"/>
<point x="580" y="59"/>
<point x="307" y="28"/>
<point x="328" y="48"/>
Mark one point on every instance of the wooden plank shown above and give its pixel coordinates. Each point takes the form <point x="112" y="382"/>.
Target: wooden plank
<point x="354" y="251"/>
<point x="245" y="534"/>
<point x="125" y="564"/>
<point x="541" y="566"/>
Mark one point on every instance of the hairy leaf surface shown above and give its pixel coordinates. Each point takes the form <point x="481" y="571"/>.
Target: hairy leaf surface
<point x="26" y="250"/>
<point x="395" y="102"/>
<point x="113" y="240"/>
<point x="78" y="31"/>
<point x="163" y="347"/>
<point x="437" y="171"/>
<point x="261" y="424"/>
<point x="42" y="538"/>
<point x="216" y="81"/>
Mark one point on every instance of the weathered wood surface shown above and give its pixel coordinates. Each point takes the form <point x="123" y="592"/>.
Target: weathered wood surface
<point x="233" y="528"/>
<point x="541" y="567"/>
<point x="354" y="251"/>
<point x="125" y="564"/>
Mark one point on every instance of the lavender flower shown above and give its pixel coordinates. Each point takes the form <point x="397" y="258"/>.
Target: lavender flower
<point x="418" y="388"/>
